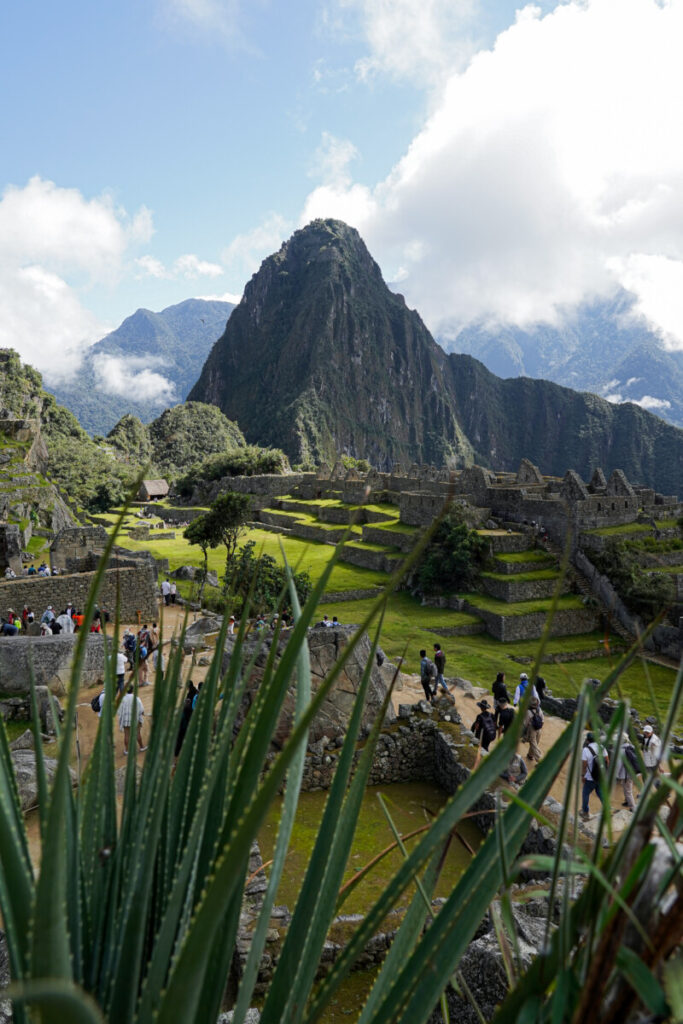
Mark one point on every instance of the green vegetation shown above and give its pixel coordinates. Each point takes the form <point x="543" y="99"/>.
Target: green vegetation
<point x="130" y="437"/>
<point x="132" y="915"/>
<point x="644" y="593"/>
<point x="453" y="558"/>
<point x="184" y="433"/>
<point x="249" y="460"/>
<point x="258" y="580"/>
<point x="523" y="577"/>
<point x="492" y="604"/>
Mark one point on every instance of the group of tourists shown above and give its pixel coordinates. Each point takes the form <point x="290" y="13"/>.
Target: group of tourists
<point x="169" y="591"/>
<point x="493" y="722"/>
<point x="42" y="570"/>
<point x="432" y="673"/>
<point x="595" y="765"/>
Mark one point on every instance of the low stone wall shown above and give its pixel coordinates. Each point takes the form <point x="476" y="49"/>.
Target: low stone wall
<point x="134" y="585"/>
<point x="376" y="535"/>
<point x="50" y="658"/>
<point x="376" y="560"/>
<point x="514" y="568"/>
<point x="72" y="547"/>
<point x="421" y="509"/>
<point x="351" y="595"/>
<point x="508" y="543"/>
<point x="566" y="622"/>
<point x="519" y="590"/>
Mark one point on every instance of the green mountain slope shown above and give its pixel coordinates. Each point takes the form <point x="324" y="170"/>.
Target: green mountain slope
<point x="172" y="344"/>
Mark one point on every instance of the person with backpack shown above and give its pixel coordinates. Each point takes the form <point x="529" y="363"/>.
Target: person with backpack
<point x="484" y="727"/>
<point x="440" y="663"/>
<point x="427" y="674"/>
<point x="533" y="723"/>
<point x="500" y="690"/>
<point x="594" y="760"/>
<point x="97" y="703"/>
<point x="628" y="757"/>
<point x="504" y="717"/>
<point x="652" y="751"/>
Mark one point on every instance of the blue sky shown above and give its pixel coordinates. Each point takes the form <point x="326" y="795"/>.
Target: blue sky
<point x="502" y="166"/>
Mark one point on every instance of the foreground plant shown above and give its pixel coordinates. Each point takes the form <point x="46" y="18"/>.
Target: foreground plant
<point x="134" y="913"/>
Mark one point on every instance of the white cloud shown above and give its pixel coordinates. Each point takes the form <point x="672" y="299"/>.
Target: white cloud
<point x="233" y="297"/>
<point x="188" y="266"/>
<point x="53" y="242"/>
<point x="133" y="377"/>
<point x="246" y="251"/>
<point x="549" y="172"/>
<point x="415" y="40"/>
<point x="332" y="159"/>
<point x="648" y="402"/>
<point x="219" y="18"/>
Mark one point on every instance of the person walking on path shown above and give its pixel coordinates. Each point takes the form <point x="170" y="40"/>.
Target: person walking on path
<point x="166" y="591"/>
<point x="120" y="670"/>
<point x="504" y="717"/>
<point x="521" y="689"/>
<point x="627" y="757"/>
<point x="500" y="690"/>
<point x="173" y="592"/>
<point x="126" y="718"/>
<point x="427" y="674"/>
<point x="533" y="723"/>
<point x="484" y="727"/>
<point x="652" y="751"/>
<point x="594" y="760"/>
<point x="440" y="662"/>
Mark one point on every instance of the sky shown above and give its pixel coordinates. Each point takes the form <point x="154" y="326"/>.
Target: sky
<point x="503" y="163"/>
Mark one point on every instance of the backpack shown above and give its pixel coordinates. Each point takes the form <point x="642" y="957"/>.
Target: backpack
<point x="488" y="725"/>
<point x="596" y="765"/>
<point x="632" y="758"/>
<point x="536" y="720"/>
<point x="95" y="703"/>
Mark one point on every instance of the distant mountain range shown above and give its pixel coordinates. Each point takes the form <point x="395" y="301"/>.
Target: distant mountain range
<point x="601" y="347"/>
<point x="148" y="363"/>
<point x="321" y="358"/>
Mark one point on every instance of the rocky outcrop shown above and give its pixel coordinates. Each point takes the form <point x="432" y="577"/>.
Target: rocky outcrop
<point x="24" y="762"/>
<point x="326" y="646"/>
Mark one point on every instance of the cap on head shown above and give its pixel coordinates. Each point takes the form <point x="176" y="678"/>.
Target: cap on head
<point x="523" y="675"/>
<point x="648" y="728"/>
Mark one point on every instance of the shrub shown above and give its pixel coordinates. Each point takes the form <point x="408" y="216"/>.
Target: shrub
<point x="260" y="580"/>
<point x="453" y="558"/>
<point x="247" y="461"/>
<point x="644" y="593"/>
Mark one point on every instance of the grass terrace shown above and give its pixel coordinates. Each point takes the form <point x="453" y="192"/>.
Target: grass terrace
<point x="492" y="604"/>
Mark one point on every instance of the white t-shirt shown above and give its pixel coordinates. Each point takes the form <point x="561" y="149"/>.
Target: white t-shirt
<point x="652" y="751"/>
<point x="120" y="663"/>
<point x="588" y="757"/>
<point x="165" y="588"/>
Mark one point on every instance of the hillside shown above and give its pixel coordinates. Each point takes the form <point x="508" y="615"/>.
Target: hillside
<point x="602" y="348"/>
<point x="179" y="438"/>
<point x="320" y="358"/>
<point x="172" y="345"/>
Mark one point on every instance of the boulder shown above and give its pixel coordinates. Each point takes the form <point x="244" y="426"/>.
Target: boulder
<point x="325" y="647"/>
<point x="24" y="762"/>
<point x="23" y="742"/>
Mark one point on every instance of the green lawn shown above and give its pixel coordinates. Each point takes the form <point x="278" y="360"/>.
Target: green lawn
<point x="620" y="531"/>
<point x="532" y="555"/>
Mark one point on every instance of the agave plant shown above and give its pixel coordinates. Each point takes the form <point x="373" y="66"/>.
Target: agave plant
<point x="134" y="913"/>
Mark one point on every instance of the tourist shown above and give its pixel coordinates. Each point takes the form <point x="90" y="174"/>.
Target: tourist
<point x="66" y="623"/>
<point x="440" y="663"/>
<point x="522" y="688"/>
<point x="10" y="573"/>
<point x="9" y="629"/>
<point x="427" y="674"/>
<point x="78" y="620"/>
<point x="173" y="592"/>
<point x="48" y="615"/>
<point x="24" y="615"/>
<point x="126" y="718"/>
<point x="32" y="570"/>
<point x="533" y="723"/>
<point x="120" y="670"/>
<point x="45" y="629"/>
<point x="652" y="750"/>
<point x="30" y="617"/>
<point x="594" y="759"/>
<point x="335" y="621"/>
<point x="196" y="696"/>
<point x="325" y="621"/>
<point x="500" y="690"/>
<point x="154" y="637"/>
<point x="484" y="727"/>
<point x="541" y="686"/>
<point x="69" y="610"/>
<point x="185" y="717"/>
<point x="231" y="626"/>
<point x="100" y="704"/>
<point x="504" y="716"/>
<point x="516" y="771"/>
<point x="166" y="591"/>
<point x="627" y="757"/>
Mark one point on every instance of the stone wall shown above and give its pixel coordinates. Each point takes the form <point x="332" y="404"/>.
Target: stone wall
<point x="376" y="535"/>
<point x="10" y="547"/>
<point x="369" y="559"/>
<point x="135" y="585"/>
<point x="261" y="488"/>
<point x="51" y="658"/>
<point x="419" y="508"/>
<point x="566" y="622"/>
<point x="513" y="590"/>
<point x="73" y="548"/>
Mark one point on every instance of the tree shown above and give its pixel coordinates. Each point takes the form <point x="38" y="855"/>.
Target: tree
<point x="227" y="520"/>
<point x="201" y="532"/>
<point x="453" y="558"/>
